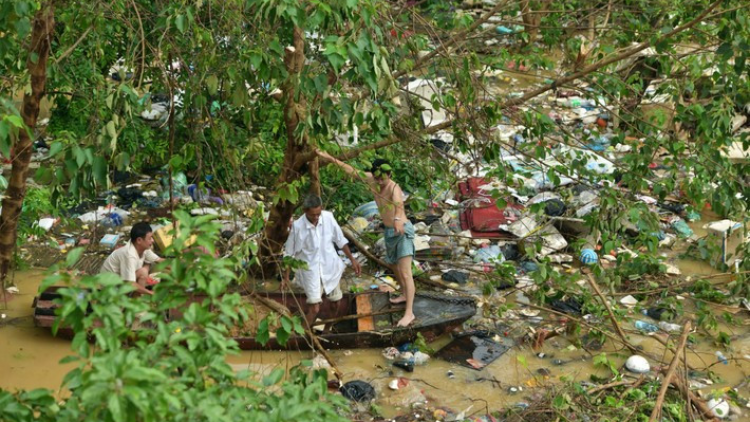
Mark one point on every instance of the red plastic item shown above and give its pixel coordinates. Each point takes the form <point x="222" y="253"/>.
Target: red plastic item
<point x="483" y="217"/>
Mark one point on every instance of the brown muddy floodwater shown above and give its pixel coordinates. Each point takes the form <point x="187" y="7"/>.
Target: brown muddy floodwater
<point x="30" y="359"/>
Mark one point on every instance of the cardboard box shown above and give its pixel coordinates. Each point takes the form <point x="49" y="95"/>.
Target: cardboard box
<point x="163" y="238"/>
<point x="110" y="240"/>
<point x="726" y="236"/>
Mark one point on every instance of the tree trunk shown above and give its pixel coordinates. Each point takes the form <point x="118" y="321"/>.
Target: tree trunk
<point x="532" y="13"/>
<point x="280" y="214"/>
<point x="315" y="177"/>
<point x="39" y="50"/>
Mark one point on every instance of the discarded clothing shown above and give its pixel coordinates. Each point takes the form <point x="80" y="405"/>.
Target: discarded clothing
<point x="568" y="306"/>
<point x="454" y="276"/>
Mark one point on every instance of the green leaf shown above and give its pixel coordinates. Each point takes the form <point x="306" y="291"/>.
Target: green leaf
<point x="337" y="61"/>
<point x="282" y="336"/>
<point x="73" y="257"/>
<point x="286" y="323"/>
<point x="4" y="139"/>
<point x="15" y="120"/>
<point x="725" y="51"/>
<point x="262" y="335"/>
<point x="55" y="148"/>
<point x="180" y="22"/>
<point x="212" y="83"/>
<point x="72" y="379"/>
<point x="111" y="130"/>
<point x="140" y="373"/>
<point x="100" y="170"/>
<point x="4" y="130"/>
<point x="80" y="156"/>
<point x="274" y="377"/>
<point x="113" y="405"/>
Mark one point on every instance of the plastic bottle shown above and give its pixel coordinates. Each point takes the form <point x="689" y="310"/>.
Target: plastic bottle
<point x="646" y="326"/>
<point x="669" y="327"/>
<point x="721" y="358"/>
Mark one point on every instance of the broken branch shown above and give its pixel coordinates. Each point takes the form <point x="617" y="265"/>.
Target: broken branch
<point x="670" y="373"/>
<point x="283" y="310"/>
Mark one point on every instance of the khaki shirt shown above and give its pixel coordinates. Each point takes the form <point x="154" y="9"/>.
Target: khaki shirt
<point x="125" y="261"/>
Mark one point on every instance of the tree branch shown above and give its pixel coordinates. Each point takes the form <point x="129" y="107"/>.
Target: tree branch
<point x="670" y="372"/>
<point x="612" y="317"/>
<point x="605" y="62"/>
<point x="459" y="37"/>
<point x="72" y="48"/>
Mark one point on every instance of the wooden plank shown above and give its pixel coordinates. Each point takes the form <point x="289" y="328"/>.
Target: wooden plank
<point x="380" y="302"/>
<point x="364" y="307"/>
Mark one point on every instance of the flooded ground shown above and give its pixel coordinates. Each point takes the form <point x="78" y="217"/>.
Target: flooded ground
<point x="31" y="355"/>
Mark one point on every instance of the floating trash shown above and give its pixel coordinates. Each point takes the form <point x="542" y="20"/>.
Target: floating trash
<point x="719" y="407"/>
<point x="637" y="364"/>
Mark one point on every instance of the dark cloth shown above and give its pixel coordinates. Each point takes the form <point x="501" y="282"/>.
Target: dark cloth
<point x="454" y="276"/>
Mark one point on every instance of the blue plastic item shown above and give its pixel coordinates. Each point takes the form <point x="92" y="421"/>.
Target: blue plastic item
<point x="681" y="228"/>
<point x="660" y="235"/>
<point x="368" y="210"/>
<point x="489" y="254"/>
<point x="588" y="257"/>
<point x="693" y="215"/>
<point x="407" y="347"/>
<point x="528" y="267"/>
<point x="646" y="326"/>
<point x="110" y="240"/>
<point x="112" y="220"/>
<point x="503" y="30"/>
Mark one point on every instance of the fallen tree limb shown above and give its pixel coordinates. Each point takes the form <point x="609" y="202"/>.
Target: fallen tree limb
<point x="698" y="402"/>
<point x="283" y="310"/>
<point x="366" y="252"/>
<point x="670" y="348"/>
<point x="670" y="373"/>
<point x="364" y="248"/>
<point x="584" y="323"/>
<point x="612" y="317"/>
<point x="620" y="383"/>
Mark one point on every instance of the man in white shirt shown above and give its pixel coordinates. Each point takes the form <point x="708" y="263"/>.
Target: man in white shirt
<point x="132" y="262"/>
<point x="311" y="240"/>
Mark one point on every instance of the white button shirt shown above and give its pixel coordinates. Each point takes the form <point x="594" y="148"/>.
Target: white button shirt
<point x="314" y="245"/>
<point x="125" y="261"/>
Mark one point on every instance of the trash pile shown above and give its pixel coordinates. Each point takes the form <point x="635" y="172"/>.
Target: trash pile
<point x="104" y="224"/>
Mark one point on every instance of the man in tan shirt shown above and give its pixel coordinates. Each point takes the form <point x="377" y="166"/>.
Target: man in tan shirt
<point x="399" y="232"/>
<point x="132" y="262"/>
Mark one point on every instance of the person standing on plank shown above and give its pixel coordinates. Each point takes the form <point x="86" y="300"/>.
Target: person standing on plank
<point x="399" y="232"/>
<point x="311" y="240"/>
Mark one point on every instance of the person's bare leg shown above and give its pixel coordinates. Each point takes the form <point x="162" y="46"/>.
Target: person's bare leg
<point x="337" y="309"/>
<point x="407" y="287"/>
<point x="141" y="276"/>
<point x="399" y="279"/>
<point x="312" y="313"/>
